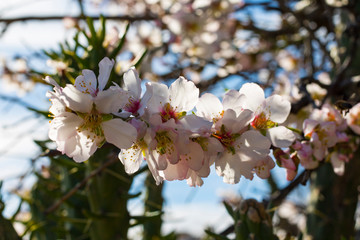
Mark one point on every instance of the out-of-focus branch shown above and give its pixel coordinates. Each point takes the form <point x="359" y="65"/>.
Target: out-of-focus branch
<point x="16" y="100"/>
<point x="80" y="184"/>
<point x="8" y="21"/>
<point x="278" y="197"/>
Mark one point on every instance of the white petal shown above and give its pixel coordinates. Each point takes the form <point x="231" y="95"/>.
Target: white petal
<point x="195" y="124"/>
<point x="132" y="82"/>
<point x="229" y="166"/>
<point x="76" y="100"/>
<point x="243" y="120"/>
<point x="338" y="165"/>
<point x="160" y="160"/>
<point x="209" y="107"/>
<point x="194" y="158"/>
<point x="154" y="171"/>
<point x="105" y="66"/>
<point x="87" y="83"/>
<point x="131" y="158"/>
<point x="78" y="147"/>
<point x="52" y="82"/>
<point x="279" y="108"/>
<point x="64" y="126"/>
<point x="309" y="125"/>
<point x="183" y="94"/>
<point x="119" y="133"/>
<point x="86" y="147"/>
<point x="111" y="100"/>
<point x="255" y="95"/>
<point x="262" y="169"/>
<point x="254" y="141"/>
<point x="281" y="136"/>
<point x="234" y="100"/>
<point x="159" y="96"/>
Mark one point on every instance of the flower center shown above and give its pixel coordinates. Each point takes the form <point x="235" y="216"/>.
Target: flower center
<point x="164" y="143"/>
<point x="261" y="122"/>
<point x="227" y="139"/>
<point x="92" y="122"/>
<point x="133" y="106"/>
<point x="168" y="112"/>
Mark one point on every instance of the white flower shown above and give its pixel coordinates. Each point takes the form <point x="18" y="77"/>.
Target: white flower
<point x="172" y="102"/>
<point x="269" y="112"/>
<point x="83" y="115"/>
<point x="132" y="84"/>
<point x="242" y="148"/>
<point x="353" y="118"/>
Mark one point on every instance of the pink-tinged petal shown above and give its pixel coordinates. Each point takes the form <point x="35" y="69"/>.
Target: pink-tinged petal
<point x="159" y="96"/>
<point x="309" y="126"/>
<point x="352" y="118"/>
<point x="234" y="100"/>
<point x="119" y="133"/>
<point x="193" y="179"/>
<point x="131" y="158"/>
<point x="278" y="107"/>
<point x="132" y="82"/>
<point x="262" y="169"/>
<point x="160" y="160"/>
<point x="214" y="146"/>
<point x="338" y="163"/>
<point x="281" y="136"/>
<point x="290" y="174"/>
<point x="254" y="94"/>
<point x="111" y="100"/>
<point x="194" y="159"/>
<point x="205" y="169"/>
<point x="183" y="94"/>
<point x="175" y="171"/>
<point x="105" y="66"/>
<point x="76" y="100"/>
<point x="209" y="107"/>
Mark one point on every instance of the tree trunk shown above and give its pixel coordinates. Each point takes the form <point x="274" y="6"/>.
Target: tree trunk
<point x="333" y="201"/>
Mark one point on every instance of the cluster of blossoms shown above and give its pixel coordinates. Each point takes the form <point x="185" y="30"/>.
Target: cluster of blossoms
<point x="180" y="135"/>
<point x="325" y="138"/>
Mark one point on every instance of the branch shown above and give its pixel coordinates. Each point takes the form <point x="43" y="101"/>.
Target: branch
<point x="8" y="21"/>
<point x="80" y="184"/>
<point x="277" y="198"/>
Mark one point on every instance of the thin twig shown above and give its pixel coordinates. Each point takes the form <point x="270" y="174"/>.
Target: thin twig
<point x="278" y="197"/>
<point x="53" y="18"/>
<point x="80" y="184"/>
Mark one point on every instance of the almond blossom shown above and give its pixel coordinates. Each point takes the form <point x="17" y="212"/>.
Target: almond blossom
<point x="353" y="118"/>
<point x="269" y="112"/>
<point x="242" y="148"/>
<point x="83" y="118"/>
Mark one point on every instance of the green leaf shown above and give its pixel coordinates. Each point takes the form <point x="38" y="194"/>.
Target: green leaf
<point x="138" y="62"/>
<point x="230" y="210"/>
<point x="145" y="218"/>
<point x="216" y="236"/>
